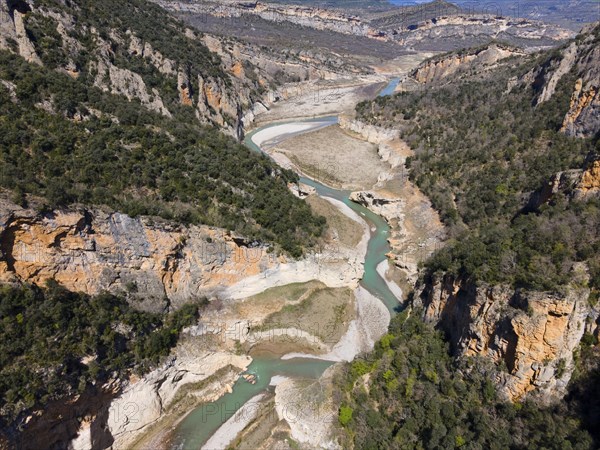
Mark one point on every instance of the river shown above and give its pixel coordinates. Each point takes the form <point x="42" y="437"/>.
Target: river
<point x="204" y="421"/>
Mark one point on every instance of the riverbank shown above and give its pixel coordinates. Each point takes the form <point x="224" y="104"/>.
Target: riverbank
<point x="320" y="98"/>
<point x="342" y="267"/>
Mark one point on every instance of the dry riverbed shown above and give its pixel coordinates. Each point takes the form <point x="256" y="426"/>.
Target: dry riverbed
<point x="333" y="157"/>
<point x="300" y="298"/>
<point x="320" y="98"/>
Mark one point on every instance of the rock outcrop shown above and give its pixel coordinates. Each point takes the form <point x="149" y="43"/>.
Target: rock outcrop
<point x="436" y="69"/>
<point x="575" y="184"/>
<point x="145" y="402"/>
<point x="159" y="265"/>
<point x="389" y="207"/>
<point x="186" y="95"/>
<point x="370" y="133"/>
<point x="222" y="89"/>
<point x="438" y="25"/>
<point x="111" y="78"/>
<point x="13" y="35"/>
<point x="581" y="61"/>
<point x="590" y="178"/>
<point x="530" y="336"/>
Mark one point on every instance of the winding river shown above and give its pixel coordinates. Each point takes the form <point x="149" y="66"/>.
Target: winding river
<point x="204" y="421"/>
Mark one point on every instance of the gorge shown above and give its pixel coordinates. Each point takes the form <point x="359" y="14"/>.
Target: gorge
<point x="270" y="225"/>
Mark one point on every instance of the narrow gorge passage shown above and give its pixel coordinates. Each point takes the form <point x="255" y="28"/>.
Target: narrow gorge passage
<point x="203" y="422"/>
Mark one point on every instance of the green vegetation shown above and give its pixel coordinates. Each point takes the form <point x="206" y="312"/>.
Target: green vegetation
<point x="70" y="142"/>
<point x="480" y="155"/>
<point x="55" y="343"/>
<point x="345" y="415"/>
<point x="139" y="162"/>
<point x="420" y="397"/>
<point x="483" y="156"/>
<point x="144" y="19"/>
<point x="324" y="312"/>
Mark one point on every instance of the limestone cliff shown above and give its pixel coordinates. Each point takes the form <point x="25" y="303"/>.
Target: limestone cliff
<point x="314" y="17"/>
<point x="13" y="35"/>
<point x="221" y="82"/>
<point x="436" y="26"/>
<point x="590" y="177"/>
<point x="575" y="184"/>
<point x="118" y="414"/>
<point x="436" y="69"/>
<point x="530" y="336"/>
<point x="159" y="264"/>
<point x="154" y="398"/>
<point x="371" y="133"/>
<point x="581" y="62"/>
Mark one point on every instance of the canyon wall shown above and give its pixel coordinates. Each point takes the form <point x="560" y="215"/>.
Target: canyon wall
<point x="580" y="61"/>
<point x="530" y="336"/>
<point x="157" y="264"/>
<point x="436" y="69"/>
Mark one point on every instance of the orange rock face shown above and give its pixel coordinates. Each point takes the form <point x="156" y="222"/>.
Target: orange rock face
<point x="238" y="70"/>
<point x="531" y="334"/>
<point x="92" y="251"/>
<point x="580" y="100"/>
<point x="590" y="179"/>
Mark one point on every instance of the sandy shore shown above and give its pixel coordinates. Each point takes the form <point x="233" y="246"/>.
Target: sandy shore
<point x="314" y="99"/>
<point x="333" y="156"/>
<point x="371" y="323"/>
<point x="277" y="133"/>
<point x="236" y="423"/>
<point x="382" y="269"/>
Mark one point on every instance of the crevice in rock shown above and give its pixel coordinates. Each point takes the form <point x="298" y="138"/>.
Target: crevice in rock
<point x="7" y="244"/>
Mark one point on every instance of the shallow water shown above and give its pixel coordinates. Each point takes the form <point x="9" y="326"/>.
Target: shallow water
<point x="201" y="423"/>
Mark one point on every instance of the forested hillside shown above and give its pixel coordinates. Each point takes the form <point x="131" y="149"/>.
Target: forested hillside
<point x="411" y="393"/>
<point x="496" y="152"/>
<point x="125" y="138"/>
<point x="482" y="150"/>
<point x="57" y="344"/>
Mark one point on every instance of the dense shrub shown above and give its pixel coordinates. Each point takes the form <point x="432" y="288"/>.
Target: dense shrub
<point x="481" y="152"/>
<point x="46" y="333"/>
<point x="420" y="397"/>
<point x="139" y="162"/>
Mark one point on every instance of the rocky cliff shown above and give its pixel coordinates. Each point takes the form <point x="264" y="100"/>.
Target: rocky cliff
<point x="13" y="34"/>
<point x="435" y="26"/>
<point x="463" y="30"/>
<point x="530" y="336"/>
<point x="159" y="264"/>
<point x="575" y="184"/>
<point x="438" y="68"/>
<point x="216" y="78"/>
<point x="118" y="414"/>
<point x="580" y="61"/>
<point x="314" y="17"/>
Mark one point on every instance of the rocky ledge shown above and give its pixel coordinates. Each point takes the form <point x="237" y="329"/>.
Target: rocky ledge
<point x="156" y="263"/>
<point x="530" y="336"/>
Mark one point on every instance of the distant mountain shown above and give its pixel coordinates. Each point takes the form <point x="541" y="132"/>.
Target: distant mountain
<point x="572" y="13"/>
<point x="432" y="26"/>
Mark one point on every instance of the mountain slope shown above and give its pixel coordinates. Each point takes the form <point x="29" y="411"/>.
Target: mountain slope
<point x="432" y="26"/>
<point x="110" y="111"/>
<point x="509" y="156"/>
<point x="90" y="120"/>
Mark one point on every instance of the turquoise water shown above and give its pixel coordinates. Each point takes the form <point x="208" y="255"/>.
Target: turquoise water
<point x="390" y="88"/>
<point x="201" y="423"/>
